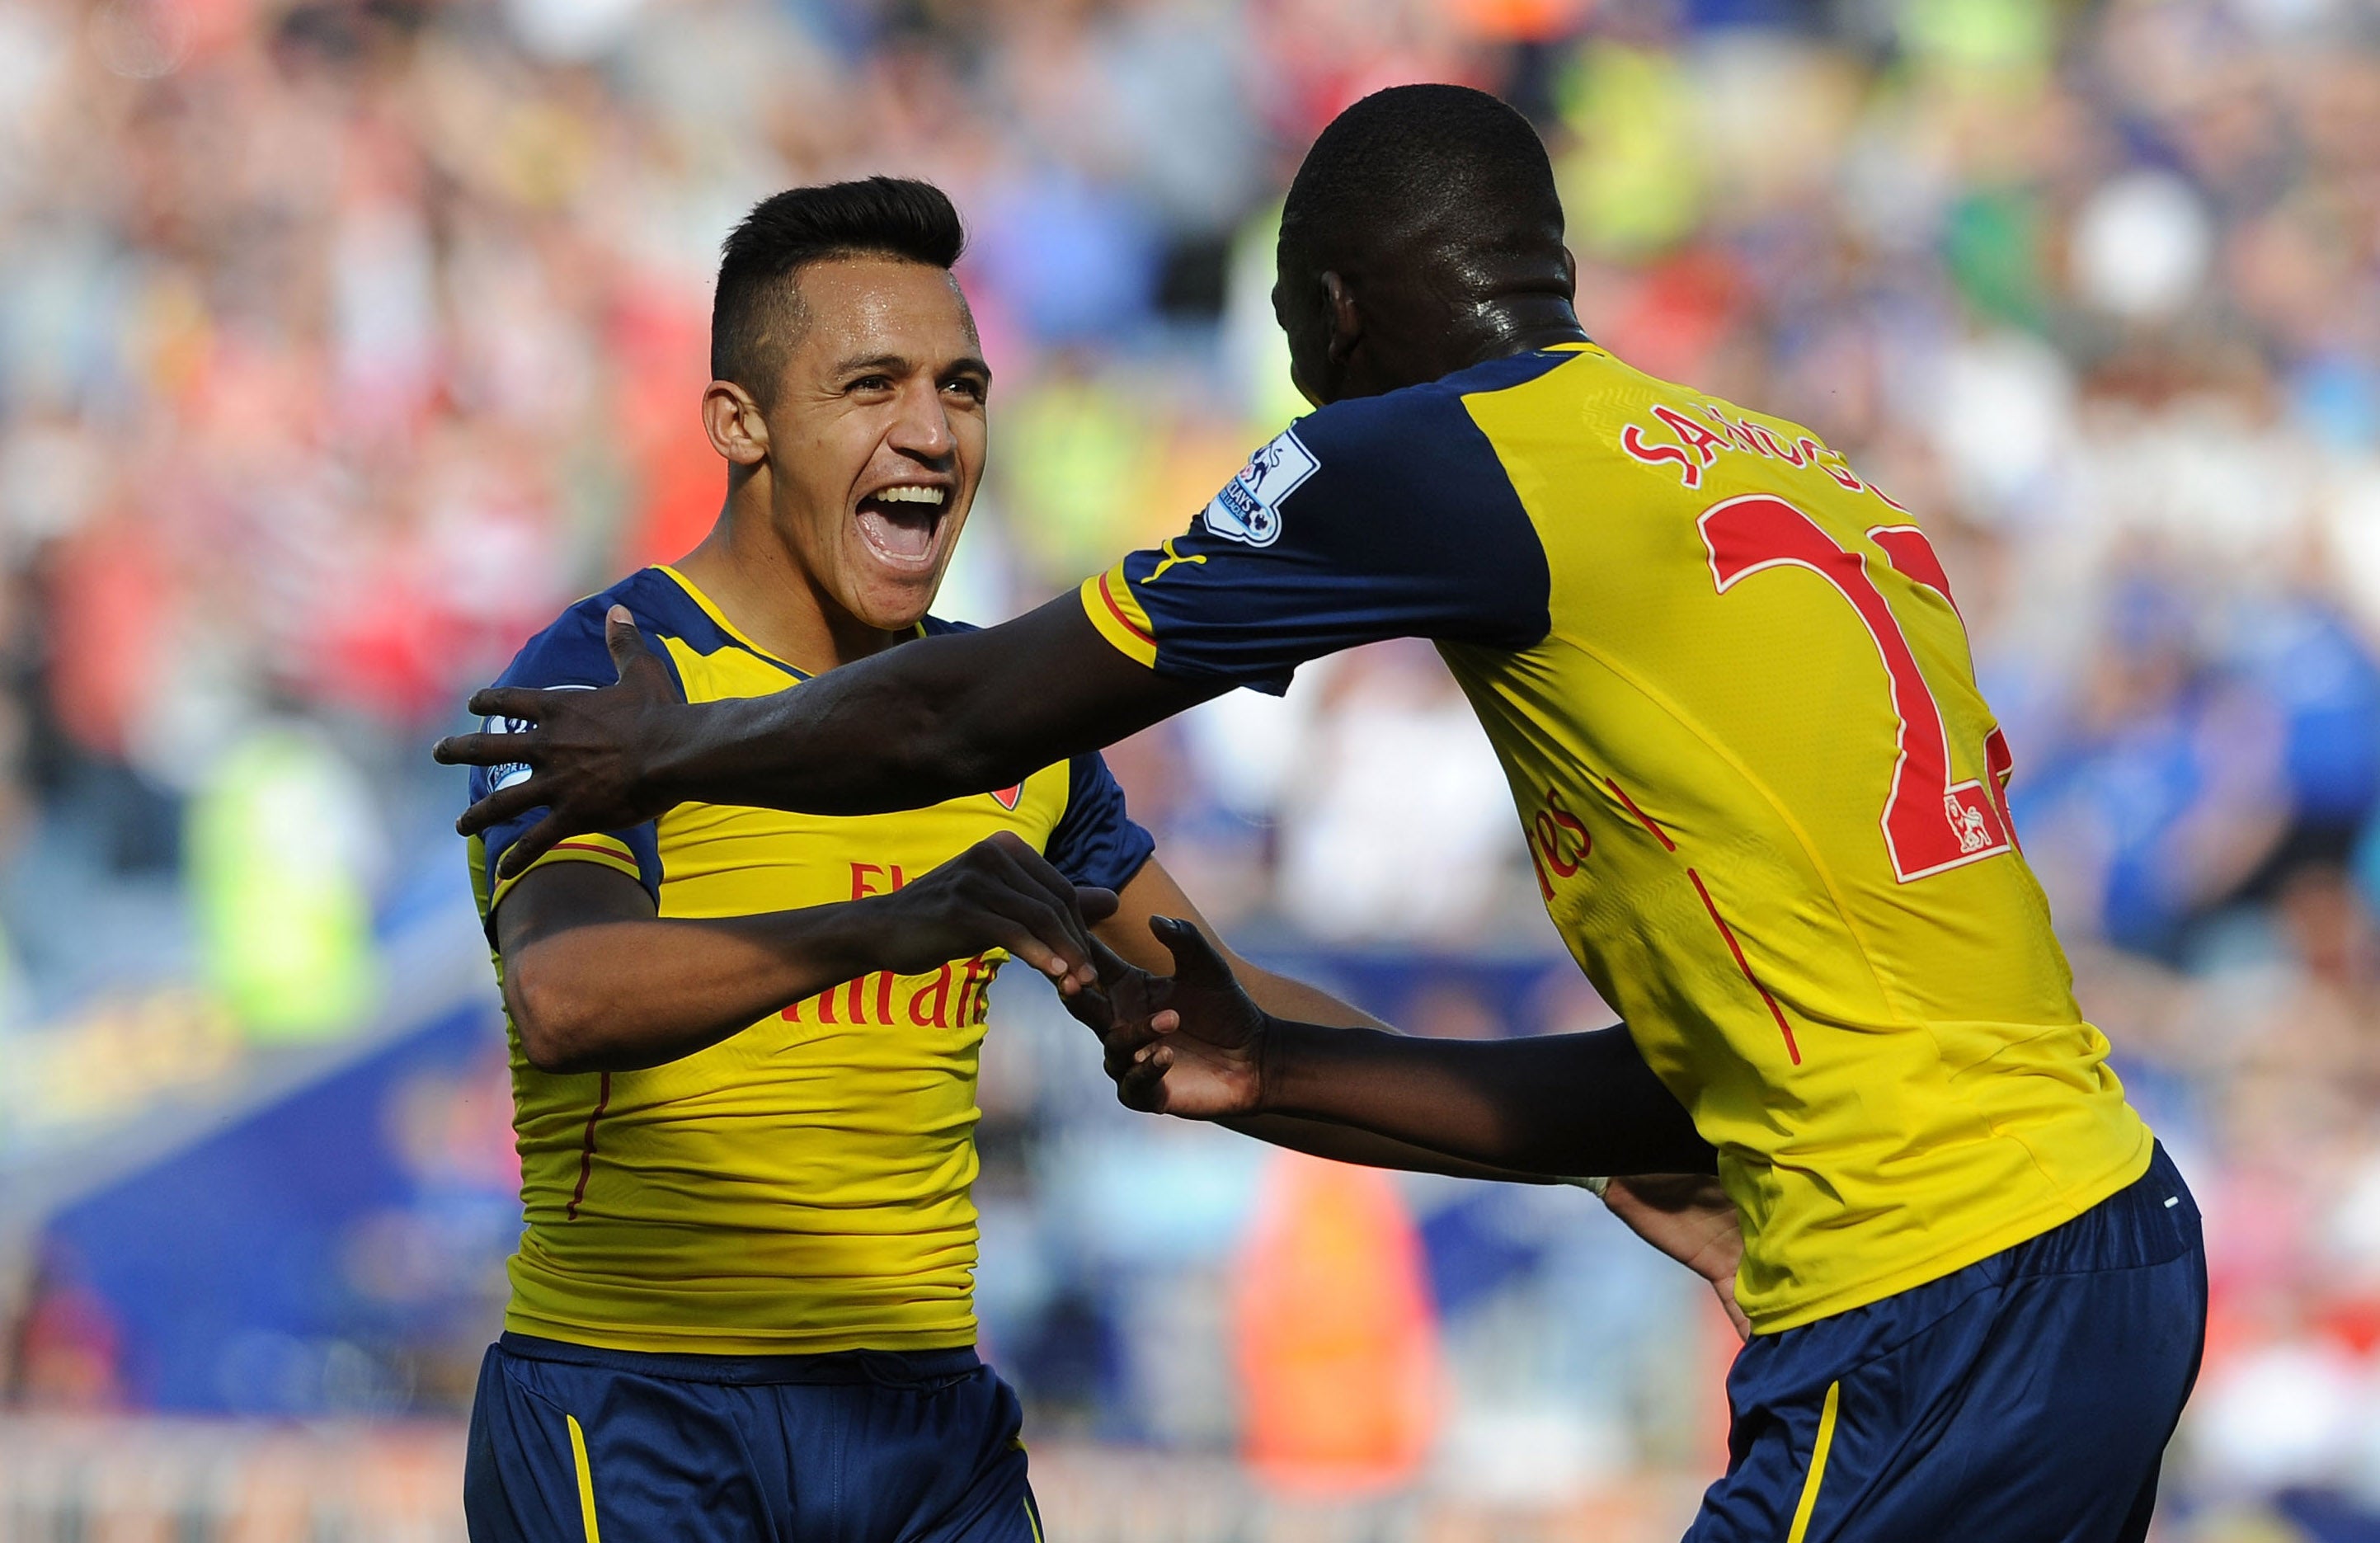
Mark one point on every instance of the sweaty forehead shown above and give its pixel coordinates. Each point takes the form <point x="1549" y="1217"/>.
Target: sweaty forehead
<point x="876" y="306"/>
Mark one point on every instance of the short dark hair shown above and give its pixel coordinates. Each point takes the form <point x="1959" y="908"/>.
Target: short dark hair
<point x="1446" y="165"/>
<point x="755" y="312"/>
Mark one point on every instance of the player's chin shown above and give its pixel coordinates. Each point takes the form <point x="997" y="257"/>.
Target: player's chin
<point x="890" y="597"/>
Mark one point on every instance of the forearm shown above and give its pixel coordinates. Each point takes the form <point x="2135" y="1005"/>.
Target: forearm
<point x="895" y="732"/>
<point x="1326" y="1138"/>
<point x="622" y="995"/>
<point x="1291" y="999"/>
<point x="934" y="719"/>
<point x="1559" y="1105"/>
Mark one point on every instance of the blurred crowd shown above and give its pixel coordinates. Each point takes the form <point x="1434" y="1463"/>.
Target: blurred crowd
<point x="344" y="341"/>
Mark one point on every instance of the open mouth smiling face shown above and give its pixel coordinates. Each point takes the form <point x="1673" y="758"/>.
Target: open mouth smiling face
<point x="904" y="525"/>
<point x="878" y="434"/>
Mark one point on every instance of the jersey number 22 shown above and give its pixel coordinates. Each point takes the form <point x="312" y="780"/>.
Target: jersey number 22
<point x="1931" y="823"/>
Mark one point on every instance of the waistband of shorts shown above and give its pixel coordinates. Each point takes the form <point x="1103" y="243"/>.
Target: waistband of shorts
<point x="889" y="1368"/>
<point x="2136" y="1227"/>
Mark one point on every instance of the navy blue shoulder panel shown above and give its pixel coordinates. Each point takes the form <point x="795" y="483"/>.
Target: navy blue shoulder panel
<point x="571" y="653"/>
<point x="1097" y="842"/>
<point x="1379" y="516"/>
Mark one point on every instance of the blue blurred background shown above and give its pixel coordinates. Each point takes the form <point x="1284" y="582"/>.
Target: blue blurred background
<point x="343" y="341"/>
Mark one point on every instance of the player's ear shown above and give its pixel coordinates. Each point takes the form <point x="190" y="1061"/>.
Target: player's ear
<point x="733" y="422"/>
<point x="1344" y="317"/>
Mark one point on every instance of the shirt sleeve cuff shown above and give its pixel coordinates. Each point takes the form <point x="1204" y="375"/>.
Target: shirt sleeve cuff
<point x="1107" y="600"/>
<point x="607" y="850"/>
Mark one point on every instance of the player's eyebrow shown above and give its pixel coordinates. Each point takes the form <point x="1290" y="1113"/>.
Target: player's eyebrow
<point x="899" y="365"/>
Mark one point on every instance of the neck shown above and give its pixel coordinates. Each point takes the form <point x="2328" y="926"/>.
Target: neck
<point x="1517" y="324"/>
<point x="1409" y="347"/>
<point x="761" y="585"/>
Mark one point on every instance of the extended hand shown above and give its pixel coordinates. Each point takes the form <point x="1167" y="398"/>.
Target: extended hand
<point x="1190" y="1043"/>
<point x="1688" y="1216"/>
<point x="998" y="894"/>
<point x="587" y="751"/>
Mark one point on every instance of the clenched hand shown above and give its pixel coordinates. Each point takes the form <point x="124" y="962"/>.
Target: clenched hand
<point x="998" y="894"/>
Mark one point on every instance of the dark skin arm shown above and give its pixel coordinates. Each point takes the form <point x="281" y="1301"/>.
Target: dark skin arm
<point x="596" y="981"/>
<point x="1195" y="1044"/>
<point x="934" y="719"/>
<point x="1527" y="1110"/>
<point x="1152" y="892"/>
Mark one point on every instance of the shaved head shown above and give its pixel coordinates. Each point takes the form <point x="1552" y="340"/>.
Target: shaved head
<point x="1424" y="172"/>
<point x="1422" y="233"/>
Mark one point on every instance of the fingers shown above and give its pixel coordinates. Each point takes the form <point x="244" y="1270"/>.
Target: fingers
<point x="1038" y="932"/>
<point x="1125" y="1037"/>
<point x="1141" y="1084"/>
<point x="1095" y="905"/>
<point x="1032" y="866"/>
<point x="523" y="702"/>
<point x="626" y="645"/>
<point x="1068" y="941"/>
<point x="505" y="803"/>
<point x="478" y="750"/>
<point x="532" y="843"/>
<point x="1093" y="1010"/>
<point x="1113" y="969"/>
<point x="1195" y="963"/>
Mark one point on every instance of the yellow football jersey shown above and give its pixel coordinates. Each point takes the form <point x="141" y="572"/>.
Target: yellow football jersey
<point x="802" y="1186"/>
<point x="1734" y="696"/>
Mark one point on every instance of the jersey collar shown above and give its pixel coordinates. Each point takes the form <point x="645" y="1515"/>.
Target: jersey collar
<point x="719" y="619"/>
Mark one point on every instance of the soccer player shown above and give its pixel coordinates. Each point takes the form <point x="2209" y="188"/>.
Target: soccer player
<point x="744" y="1042"/>
<point x="1729" y="685"/>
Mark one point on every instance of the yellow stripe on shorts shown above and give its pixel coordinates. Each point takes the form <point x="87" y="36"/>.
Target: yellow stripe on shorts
<point x="1809" y="1484"/>
<point x="586" y="1479"/>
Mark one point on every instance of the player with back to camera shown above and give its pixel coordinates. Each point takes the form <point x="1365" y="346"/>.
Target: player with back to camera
<point x="744" y="1041"/>
<point x="1730" y="686"/>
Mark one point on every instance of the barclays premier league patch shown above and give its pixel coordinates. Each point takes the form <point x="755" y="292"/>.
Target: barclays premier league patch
<point x="511" y="771"/>
<point x="1248" y="509"/>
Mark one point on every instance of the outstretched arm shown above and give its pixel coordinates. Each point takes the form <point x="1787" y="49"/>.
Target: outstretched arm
<point x="1192" y="1043"/>
<point x="1563" y="1104"/>
<point x="1195" y="1044"/>
<point x="1153" y="893"/>
<point x="934" y="719"/>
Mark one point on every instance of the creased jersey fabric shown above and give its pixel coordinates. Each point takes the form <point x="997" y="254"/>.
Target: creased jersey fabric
<point x="802" y="1186"/>
<point x="1732" y="695"/>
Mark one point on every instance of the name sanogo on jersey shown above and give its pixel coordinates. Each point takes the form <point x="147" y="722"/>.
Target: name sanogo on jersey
<point x="1732" y="695"/>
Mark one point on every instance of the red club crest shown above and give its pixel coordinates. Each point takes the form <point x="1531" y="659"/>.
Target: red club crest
<point x="1009" y="795"/>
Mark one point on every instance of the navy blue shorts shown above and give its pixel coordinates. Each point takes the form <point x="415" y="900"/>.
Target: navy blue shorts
<point x="2024" y="1399"/>
<point x="572" y="1445"/>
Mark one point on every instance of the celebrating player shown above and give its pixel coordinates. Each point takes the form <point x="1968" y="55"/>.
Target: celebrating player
<point x="1732" y="691"/>
<point x="744" y="1042"/>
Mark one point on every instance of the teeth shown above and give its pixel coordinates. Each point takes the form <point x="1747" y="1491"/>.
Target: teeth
<point x="910" y="495"/>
